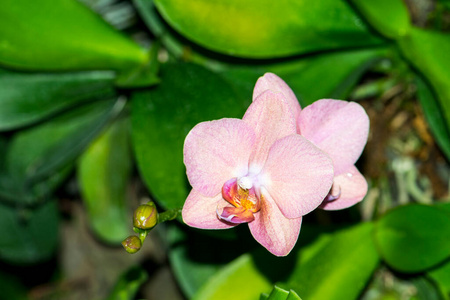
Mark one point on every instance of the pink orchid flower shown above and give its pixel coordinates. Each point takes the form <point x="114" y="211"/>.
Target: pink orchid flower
<point x="257" y="170"/>
<point x="339" y="128"/>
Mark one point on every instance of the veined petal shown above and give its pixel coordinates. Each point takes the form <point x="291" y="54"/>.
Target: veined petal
<point x="271" y="119"/>
<point x="297" y="175"/>
<point x="274" y="83"/>
<point x="352" y="187"/>
<point x="272" y="229"/>
<point x="339" y="128"/>
<point x="201" y="212"/>
<point x="216" y="151"/>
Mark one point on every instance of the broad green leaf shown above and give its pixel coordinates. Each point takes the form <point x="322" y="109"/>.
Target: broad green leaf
<point x="39" y="158"/>
<point x="26" y="97"/>
<point x="338" y="268"/>
<point x="264" y="29"/>
<point x="441" y="275"/>
<point x="62" y="35"/>
<point x="103" y="172"/>
<point x="413" y="238"/>
<point x="28" y="236"/>
<point x="254" y="273"/>
<point x="239" y="280"/>
<point x="428" y="52"/>
<point x="434" y="115"/>
<point x="196" y="255"/>
<point x="389" y="17"/>
<point x="311" y="78"/>
<point x="162" y="117"/>
<point x="128" y="284"/>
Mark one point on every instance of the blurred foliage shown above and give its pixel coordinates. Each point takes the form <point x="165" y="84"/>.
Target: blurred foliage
<point x="109" y="87"/>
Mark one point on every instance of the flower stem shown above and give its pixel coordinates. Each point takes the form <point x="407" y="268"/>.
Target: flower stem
<point x="169" y="215"/>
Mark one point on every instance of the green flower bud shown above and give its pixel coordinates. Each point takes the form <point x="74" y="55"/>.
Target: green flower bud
<point x="132" y="244"/>
<point x="145" y="216"/>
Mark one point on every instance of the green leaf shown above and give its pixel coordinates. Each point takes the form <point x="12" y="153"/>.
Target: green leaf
<point x="239" y="280"/>
<point x="28" y="236"/>
<point x="39" y="158"/>
<point x="346" y="258"/>
<point x="413" y="238"/>
<point x="311" y="78"/>
<point x="193" y="263"/>
<point x="389" y="17"/>
<point x="27" y="98"/>
<point x="428" y="52"/>
<point x="158" y="27"/>
<point x="441" y="276"/>
<point x="162" y="117"/>
<point x="280" y="294"/>
<point x="336" y="267"/>
<point x="128" y="284"/>
<point x="104" y="170"/>
<point x="62" y="35"/>
<point x="264" y="29"/>
<point x="434" y="115"/>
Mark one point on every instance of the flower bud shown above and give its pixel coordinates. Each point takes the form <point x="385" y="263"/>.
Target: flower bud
<point x="132" y="244"/>
<point x="145" y="216"/>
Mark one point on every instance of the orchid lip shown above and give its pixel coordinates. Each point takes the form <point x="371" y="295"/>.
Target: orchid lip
<point x="241" y="194"/>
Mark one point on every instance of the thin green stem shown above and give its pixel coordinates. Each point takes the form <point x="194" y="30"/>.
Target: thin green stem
<point x="169" y="215"/>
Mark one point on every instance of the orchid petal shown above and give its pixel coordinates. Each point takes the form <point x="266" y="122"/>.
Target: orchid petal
<point x="297" y="175"/>
<point x="200" y="211"/>
<point x="271" y="119"/>
<point x="352" y="186"/>
<point x="273" y="230"/>
<point x="216" y="151"/>
<point x="274" y="83"/>
<point x="339" y="128"/>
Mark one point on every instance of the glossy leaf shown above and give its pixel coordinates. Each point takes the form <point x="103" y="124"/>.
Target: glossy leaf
<point x="162" y="117"/>
<point x="196" y="255"/>
<point x="62" y="35"/>
<point x="280" y="294"/>
<point x="239" y="280"/>
<point x="103" y="172"/>
<point x="264" y="29"/>
<point x="28" y="236"/>
<point x="311" y="78"/>
<point x="389" y="17"/>
<point x="128" y="284"/>
<point x="337" y="268"/>
<point x="26" y="98"/>
<point x="413" y="238"/>
<point x="441" y="276"/>
<point x="434" y="115"/>
<point x="39" y="158"/>
<point x="428" y="52"/>
<point x="350" y="255"/>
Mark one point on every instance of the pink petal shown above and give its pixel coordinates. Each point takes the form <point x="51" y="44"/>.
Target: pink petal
<point x="200" y="211"/>
<point x="274" y="231"/>
<point x="274" y="83"/>
<point x="352" y="186"/>
<point x="216" y="151"/>
<point x="339" y="128"/>
<point x="271" y="119"/>
<point x="297" y="175"/>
